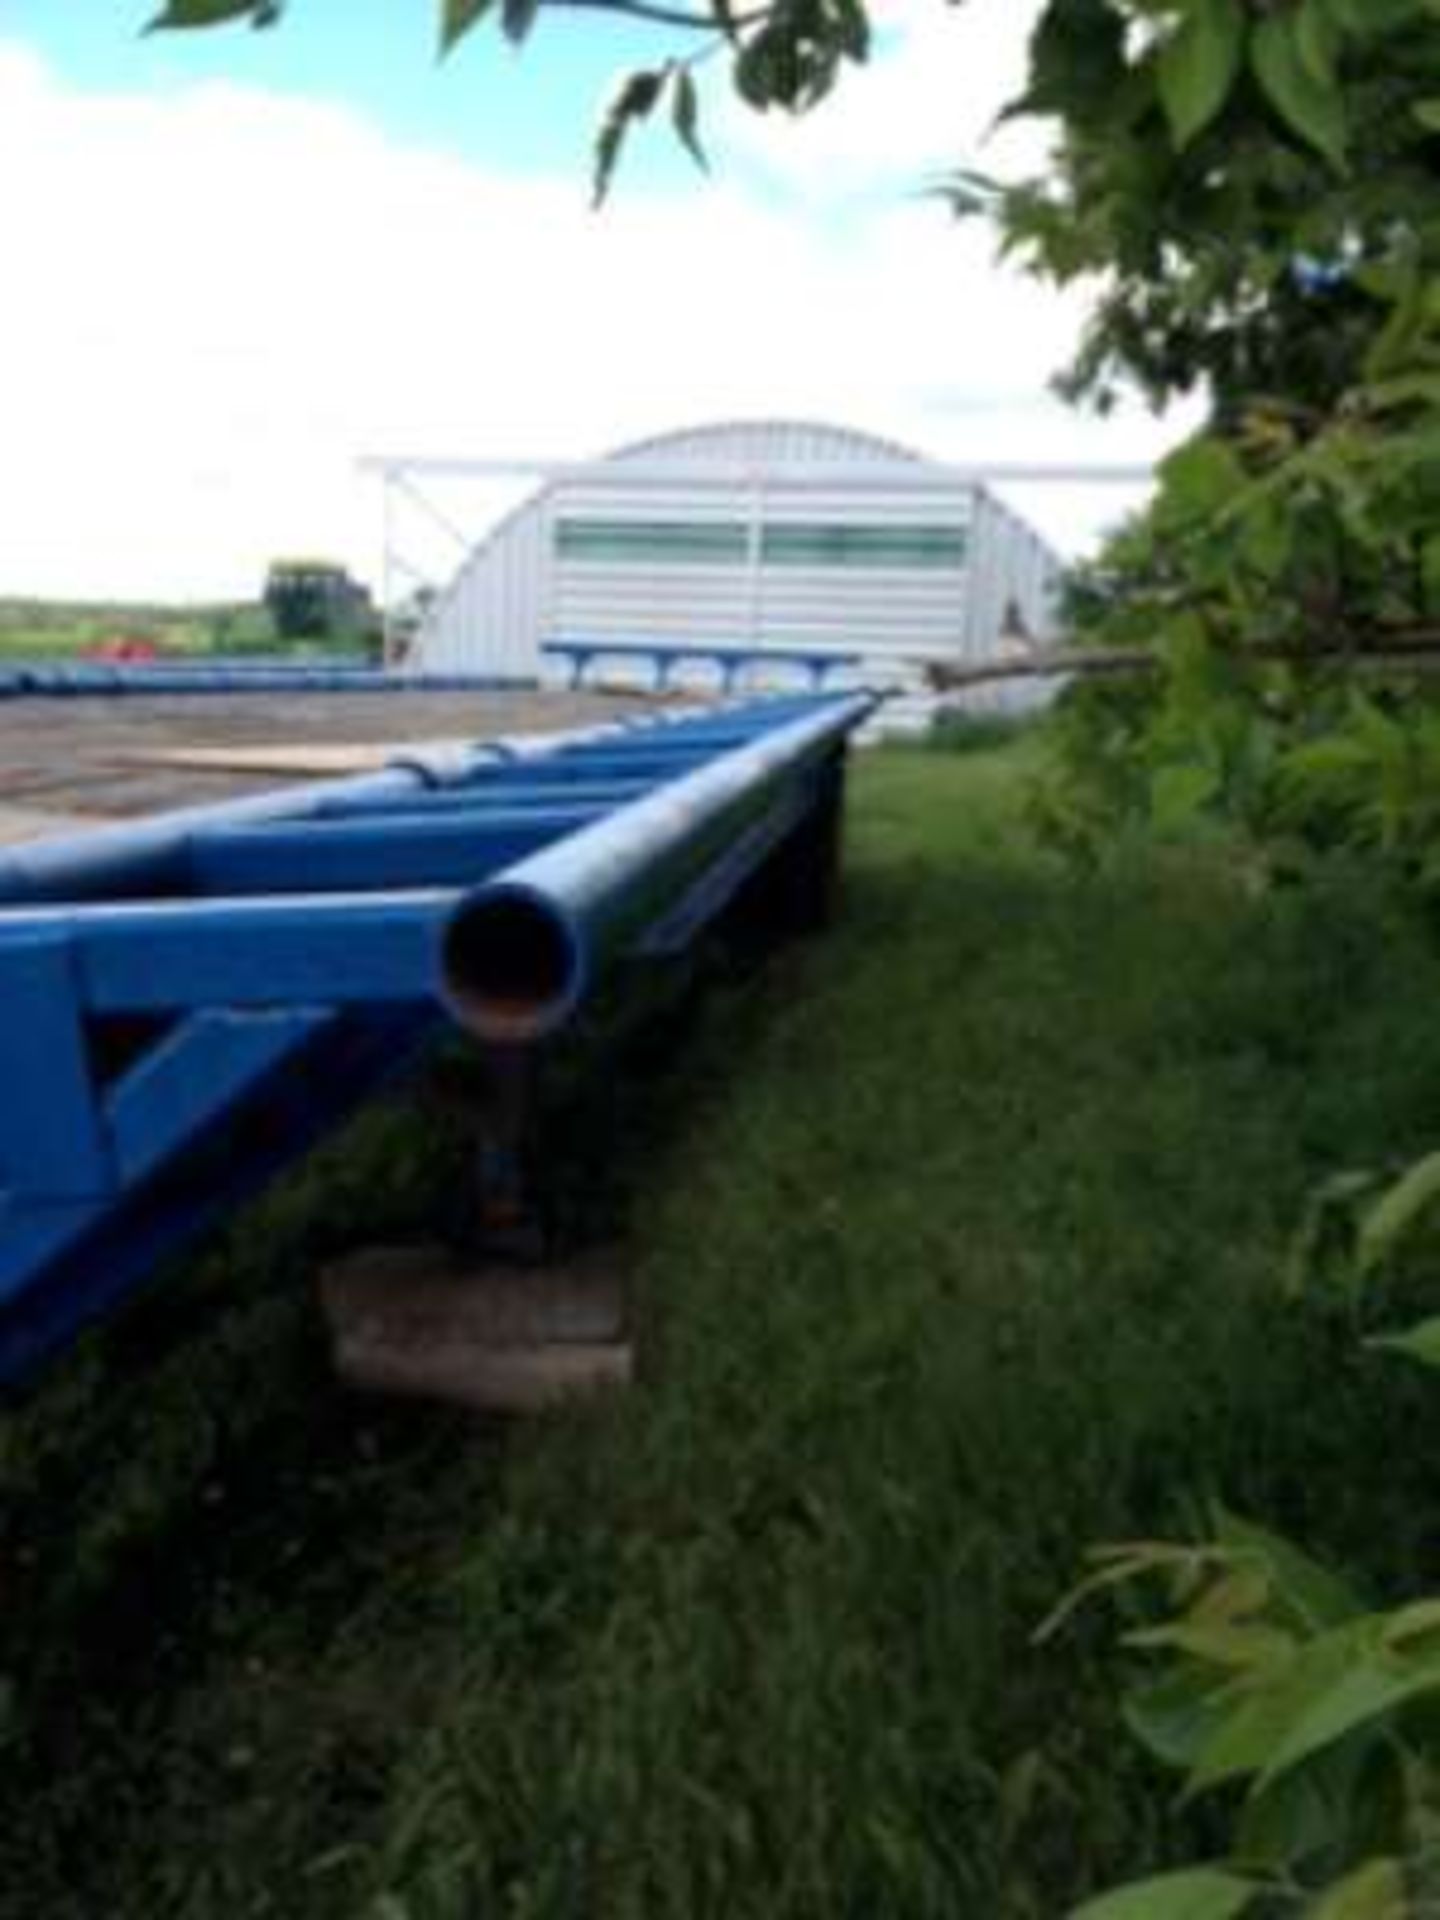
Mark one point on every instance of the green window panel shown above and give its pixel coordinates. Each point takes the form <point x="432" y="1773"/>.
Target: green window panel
<point x="682" y="543"/>
<point x="817" y="544"/>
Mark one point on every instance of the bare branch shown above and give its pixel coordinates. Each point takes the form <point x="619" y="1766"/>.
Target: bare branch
<point x="662" y="15"/>
<point x="1416" y="649"/>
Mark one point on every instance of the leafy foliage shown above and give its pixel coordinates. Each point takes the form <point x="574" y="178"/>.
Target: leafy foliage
<point x="214" y="13"/>
<point x="1265" y="1675"/>
<point x="1268" y="1674"/>
<point x="1285" y="585"/>
<point x="1226" y="175"/>
<point x="1195" y="1893"/>
<point x="1251" y="191"/>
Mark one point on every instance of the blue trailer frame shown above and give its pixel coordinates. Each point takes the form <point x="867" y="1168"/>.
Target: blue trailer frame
<point x="189" y="1001"/>
<point x="76" y="679"/>
<point x="665" y="657"/>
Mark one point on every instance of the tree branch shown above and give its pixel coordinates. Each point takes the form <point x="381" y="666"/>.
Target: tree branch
<point x="1416" y="650"/>
<point x="656" y="11"/>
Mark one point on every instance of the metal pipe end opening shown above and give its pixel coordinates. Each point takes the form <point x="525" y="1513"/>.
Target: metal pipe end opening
<point x="511" y="966"/>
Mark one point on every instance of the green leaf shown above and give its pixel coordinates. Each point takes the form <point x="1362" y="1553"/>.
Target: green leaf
<point x="1230" y="1649"/>
<point x="1176" y="1717"/>
<point x="1323" y="1248"/>
<point x="1314" y="111"/>
<point x="1179" y="795"/>
<point x="1298" y="1817"/>
<point x="1375" y="1891"/>
<point x="1350" y="16"/>
<point x="635" y="100"/>
<point x="1198" y="65"/>
<point x="852" y="29"/>
<point x="1201" y="477"/>
<point x="1195" y="1893"/>
<point x="517" y="17"/>
<point x="457" y="17"/>
<point x="1262" y="1718"/>
<point x="1409" y="1628"/>
<point x="1365" y="1690"/>
<point x="1393" y="351"/>
<point x="1430" y="571"/>
<point x="389" y="1907"/>
<point x="1317" y="40"/>
<point x="685" y="116"/>
<point x="1309" y="1595"/>
<point x="1265" y="530"/>
<point x="1373" y="19"/>
<point x="1427" y="112"/>
<point x="1403" y="391"/>
<point x="1420" y="1343"/>
<point x="760" y="70"/>
<point x="1397" y="1213"/>
<point x="214" y="13"/>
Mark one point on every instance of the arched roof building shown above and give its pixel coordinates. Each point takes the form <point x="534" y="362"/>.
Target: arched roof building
<point x="769" y="534"/>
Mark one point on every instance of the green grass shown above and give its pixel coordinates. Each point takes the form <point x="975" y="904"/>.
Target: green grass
<point x="957" y="1244"/>
<point x="41" y="629"/>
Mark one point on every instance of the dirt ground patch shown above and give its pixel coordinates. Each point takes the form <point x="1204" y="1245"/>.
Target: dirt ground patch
<point x="63" y="761"/>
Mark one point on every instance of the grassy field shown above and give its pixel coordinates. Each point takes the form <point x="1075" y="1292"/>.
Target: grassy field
<point x="42" y="629"/>
<point x="957" y="1244"/>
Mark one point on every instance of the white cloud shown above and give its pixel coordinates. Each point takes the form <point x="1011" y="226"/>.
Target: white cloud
<point x="216" y="301"/>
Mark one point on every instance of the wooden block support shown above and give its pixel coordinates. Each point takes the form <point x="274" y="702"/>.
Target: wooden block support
<point x="411" y="1321"/>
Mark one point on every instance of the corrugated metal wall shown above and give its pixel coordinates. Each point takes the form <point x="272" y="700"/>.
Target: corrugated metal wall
<point x="516" y="590"/>
<point x="880" y="609"/>
<point x="492" y="616"/>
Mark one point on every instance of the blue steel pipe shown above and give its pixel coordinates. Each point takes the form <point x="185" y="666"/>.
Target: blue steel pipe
<point x="510" y="960"/>
<point x="84" y="679"/>
<point x="519" y="953"/>
<point x="135" y="859"/>
<point x="138" y="858"/>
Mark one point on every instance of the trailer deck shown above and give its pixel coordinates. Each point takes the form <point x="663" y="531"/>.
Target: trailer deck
<point x="65" y="763"/>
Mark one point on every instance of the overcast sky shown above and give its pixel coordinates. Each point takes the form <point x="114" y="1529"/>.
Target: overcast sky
<point x="234" y="263"/>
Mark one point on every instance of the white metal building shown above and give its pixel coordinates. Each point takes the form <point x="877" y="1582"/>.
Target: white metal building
<point x="771" y="534"/>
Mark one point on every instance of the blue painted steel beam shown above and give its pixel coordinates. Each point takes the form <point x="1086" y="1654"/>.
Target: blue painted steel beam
<point x="665" y="656"/>
<point x="521" y="791"/>
<point x="97" y="679"/>
<point x="197" y="1075"/>
<point x="135" y="859"/>
<point x="521" y="953"/>
<point x="52" y="1140"/>
<point x="716" y="883"/>
<point x="159" y="957"/>
<point x="374" y="855"/>
<point x="82" y="1267"/>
